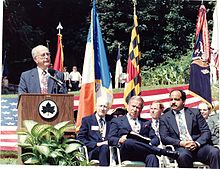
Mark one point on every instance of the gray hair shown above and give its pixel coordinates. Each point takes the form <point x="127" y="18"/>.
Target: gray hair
<point x="139" y="98"/>
<point x="35" y="50"/>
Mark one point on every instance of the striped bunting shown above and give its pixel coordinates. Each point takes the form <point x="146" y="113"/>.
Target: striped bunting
<point x="8" y="137"/>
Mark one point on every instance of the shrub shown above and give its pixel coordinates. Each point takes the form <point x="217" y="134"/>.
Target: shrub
<point x="44" y="144"/>
<point x="171" y="72"/>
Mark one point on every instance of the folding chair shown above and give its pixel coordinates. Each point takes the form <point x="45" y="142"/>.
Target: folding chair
<point x="94" y="162"/>
<point x="168" y="163"/>
<point x="127" y="163"/>
<point x="198" y="164"/>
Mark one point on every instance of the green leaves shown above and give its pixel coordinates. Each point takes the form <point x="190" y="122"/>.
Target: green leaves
<point x="72" y="147"/>
<point x="172" y="72"/>
<point x="43" y="144"/>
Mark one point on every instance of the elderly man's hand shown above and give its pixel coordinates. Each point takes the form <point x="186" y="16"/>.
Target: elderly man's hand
<point x="122" y="139"/>
<point x="102" y="143"/>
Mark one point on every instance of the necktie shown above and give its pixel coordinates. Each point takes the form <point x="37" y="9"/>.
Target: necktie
<point x="102" y="122"/>
<point x="156" y="123"/>
<point x="135" y="126"/>
<point x="156" y="127"/>
<point x="182" y="127"/>
<point x="44" y="87"/>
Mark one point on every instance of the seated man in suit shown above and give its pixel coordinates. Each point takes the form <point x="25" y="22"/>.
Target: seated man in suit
<point x="213" y="121"/>
<point x="186" y="129"/>
<point x="131" y="149"/>
<point x="156" y="109"/>
<point x="94" y="131"/>
<point x="41" y="79"/>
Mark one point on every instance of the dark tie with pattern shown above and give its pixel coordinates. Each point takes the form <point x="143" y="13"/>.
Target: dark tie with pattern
<point x="102" y="122"/>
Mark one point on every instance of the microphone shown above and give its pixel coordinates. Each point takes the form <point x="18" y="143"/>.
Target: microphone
<point x="51" y="73"/>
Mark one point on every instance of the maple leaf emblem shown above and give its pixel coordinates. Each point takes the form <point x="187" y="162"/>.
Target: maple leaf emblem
<point x="48" y="109"/>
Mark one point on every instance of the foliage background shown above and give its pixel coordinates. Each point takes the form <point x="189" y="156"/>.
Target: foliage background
<point x="166" y="27"/>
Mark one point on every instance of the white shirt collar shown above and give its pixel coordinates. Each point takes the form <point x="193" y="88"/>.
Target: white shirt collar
<point x="181" y="111"/>
<point x="40" y="71"/>
<point x="98" y="117"/>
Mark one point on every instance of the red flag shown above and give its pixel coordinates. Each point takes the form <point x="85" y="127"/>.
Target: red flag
<point x="58" y="63"/>
<point x="202" y="46"/>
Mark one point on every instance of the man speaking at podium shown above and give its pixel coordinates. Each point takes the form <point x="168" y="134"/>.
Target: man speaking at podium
<point x="42" y="79"/>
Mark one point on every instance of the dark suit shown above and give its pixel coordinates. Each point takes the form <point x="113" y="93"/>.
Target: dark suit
<point x="90" y="135"/>
<point x="30" y="83"/>
<point x="199" y="131"/>
<point x="132" y="149"/>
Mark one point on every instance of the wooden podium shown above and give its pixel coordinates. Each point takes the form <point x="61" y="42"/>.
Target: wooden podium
<point x="30" y="106"/>
<point x="45" y="109"/>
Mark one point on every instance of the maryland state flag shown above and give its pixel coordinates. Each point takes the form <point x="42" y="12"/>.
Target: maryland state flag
<point x="199" y="83"/>
<point x="133" y="81"/>
<point x="96" y="80"/>
<point x="58" y="63"/>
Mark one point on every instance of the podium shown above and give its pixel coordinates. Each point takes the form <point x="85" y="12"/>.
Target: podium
<point x="45" y="108"/>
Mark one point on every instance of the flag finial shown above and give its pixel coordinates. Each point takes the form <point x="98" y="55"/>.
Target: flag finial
<point x="59" y="27"/>
<point x="119" y="44"/>
<point x="135" y="3"/>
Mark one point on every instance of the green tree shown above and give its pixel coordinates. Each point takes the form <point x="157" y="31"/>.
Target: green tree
<point x="166" y="28"/>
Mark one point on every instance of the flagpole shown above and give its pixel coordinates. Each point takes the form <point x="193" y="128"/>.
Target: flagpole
<point x="135" y="3"/>
<point x="119" y="46"/>
<point x="118" y="78"/>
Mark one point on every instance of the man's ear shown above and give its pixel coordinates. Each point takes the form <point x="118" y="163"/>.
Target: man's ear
<point x="35" y="59"/>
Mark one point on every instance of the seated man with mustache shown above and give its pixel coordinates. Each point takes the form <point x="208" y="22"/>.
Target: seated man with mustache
<point x="186" y="129"/>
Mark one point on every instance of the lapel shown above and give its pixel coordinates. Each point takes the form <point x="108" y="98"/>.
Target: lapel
<point x="108" y="122"/>
<point x="172" y="121"/>
<point x="143" y="125"/>
<point x="50" y="85"/>
<point x="35" y="78"/>
<point x="189" y="117"/>
<point x="126" y="123"/>
<point x="95" y="123"/>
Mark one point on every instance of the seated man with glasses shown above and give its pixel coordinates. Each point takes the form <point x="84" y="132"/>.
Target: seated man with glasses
<point x="42" y="79"/>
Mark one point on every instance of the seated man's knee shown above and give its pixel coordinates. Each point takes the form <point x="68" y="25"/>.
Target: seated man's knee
<point x="152" y="156"/>
<point x="215" y="152"/>
<point x="185" y="157"/>
<point x="104" y="148"/>
<point x="151" y="160"/>
<point x="129" y="142"/>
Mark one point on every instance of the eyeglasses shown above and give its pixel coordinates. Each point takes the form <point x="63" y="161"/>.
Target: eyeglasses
<point x="45" y="54"/>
